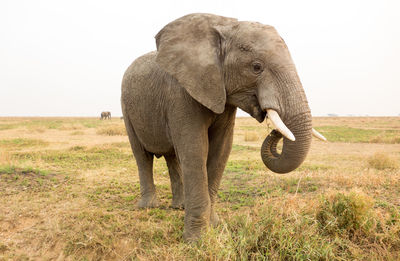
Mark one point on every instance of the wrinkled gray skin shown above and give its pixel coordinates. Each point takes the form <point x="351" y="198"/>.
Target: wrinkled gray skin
<point x="105" y="115"/>
<point x="180" y="102"/>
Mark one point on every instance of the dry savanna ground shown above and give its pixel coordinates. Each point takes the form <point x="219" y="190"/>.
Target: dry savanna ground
<point x="68" y="188"/>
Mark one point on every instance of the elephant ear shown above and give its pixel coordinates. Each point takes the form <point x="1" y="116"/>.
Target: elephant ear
<point x="190" y="49"/>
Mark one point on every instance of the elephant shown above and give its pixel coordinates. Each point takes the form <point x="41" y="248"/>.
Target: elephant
<point x="105" y="115"/>
<point x="180" y="102"/>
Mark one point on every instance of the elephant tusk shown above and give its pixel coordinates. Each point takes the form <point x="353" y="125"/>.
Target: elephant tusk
<point x="318" y="135"/>
<point x="279" y="125"/>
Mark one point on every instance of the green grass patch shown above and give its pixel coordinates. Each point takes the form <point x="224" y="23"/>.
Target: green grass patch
<point x="21" y="143"/>
<point x="238" y="197"/>
<point x="244" y="166"/>
<point x="348" y="134"/>
<point x="313" y="167"/>
<point x="78" y="158"/>
<point x="114" y="195"/>
<point x="15" y="179"/>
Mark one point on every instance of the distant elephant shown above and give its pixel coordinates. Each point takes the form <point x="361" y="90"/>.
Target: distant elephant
<point x="180" y="102"/>
<point x="105" y="115"/>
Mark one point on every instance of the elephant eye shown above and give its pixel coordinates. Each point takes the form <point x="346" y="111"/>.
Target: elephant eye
<point x="257" y="67"/>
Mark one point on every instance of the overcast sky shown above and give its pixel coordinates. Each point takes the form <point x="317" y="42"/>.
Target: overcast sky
<point x="67" y="58"/>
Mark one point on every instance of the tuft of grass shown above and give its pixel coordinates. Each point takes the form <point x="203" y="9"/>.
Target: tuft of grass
<point x="267" y="234"/>
<point x="251" y="136"/>
<point x="346" y="215"/>
<point x="112" y="131"/>
<point x="382" y="161"/>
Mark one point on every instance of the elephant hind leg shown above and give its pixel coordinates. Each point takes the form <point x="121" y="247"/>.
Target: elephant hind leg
<point x="144" y="161"/>
<point x="175" y="174"/>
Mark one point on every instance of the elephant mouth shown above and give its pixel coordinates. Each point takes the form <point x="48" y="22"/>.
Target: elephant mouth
<point x="257" y="112"/>
<point x="260" y="115"/>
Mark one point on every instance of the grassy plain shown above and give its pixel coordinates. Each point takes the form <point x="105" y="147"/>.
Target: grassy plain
<point x="68" y="188"/>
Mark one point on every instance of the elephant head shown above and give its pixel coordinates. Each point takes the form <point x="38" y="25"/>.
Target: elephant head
<point x="222" y="61"/>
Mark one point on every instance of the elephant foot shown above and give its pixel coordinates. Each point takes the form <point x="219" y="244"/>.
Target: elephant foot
<point x="194" y="226"/>
<point x="192" y="235"/>
<point x="148" y="202"/>
<point x="177" y="203"/>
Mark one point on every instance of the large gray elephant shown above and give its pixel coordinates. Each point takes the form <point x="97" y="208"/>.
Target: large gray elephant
<point x="180" y="102"/>
<point x="105" y="115"/>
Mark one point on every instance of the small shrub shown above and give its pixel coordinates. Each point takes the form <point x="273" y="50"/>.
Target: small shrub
<point x="346" y="215"/>
<point x="382" y="161"/>
<point x="112" y="131"/>
<point x="251" y="136"/>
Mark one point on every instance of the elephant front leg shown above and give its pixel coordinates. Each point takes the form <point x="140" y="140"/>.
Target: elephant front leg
<point x="192" y="153"/>
<point x="221" y="137"/>
<point x="197" y="202"/>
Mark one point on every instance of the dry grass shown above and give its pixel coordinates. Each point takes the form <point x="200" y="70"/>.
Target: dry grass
<point x="68" y="188"/>
<point x="251" y="136"/>
<point x="382" y="161"/>
<point x="112" y="131"/>
<point x="74" y="133"/>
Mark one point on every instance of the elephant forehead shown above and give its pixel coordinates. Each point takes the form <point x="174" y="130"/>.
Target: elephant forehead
<point x="261" y="37"/>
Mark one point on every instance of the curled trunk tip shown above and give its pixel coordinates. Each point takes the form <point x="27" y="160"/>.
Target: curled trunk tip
<point x="293" y="152"/>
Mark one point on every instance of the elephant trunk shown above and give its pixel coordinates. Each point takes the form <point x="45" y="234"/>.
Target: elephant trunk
<point x="296" y="119"/>
<point x="293" y="152"/>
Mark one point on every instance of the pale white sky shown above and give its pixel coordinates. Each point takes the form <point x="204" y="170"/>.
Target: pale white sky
<point x="67" y="58"/>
